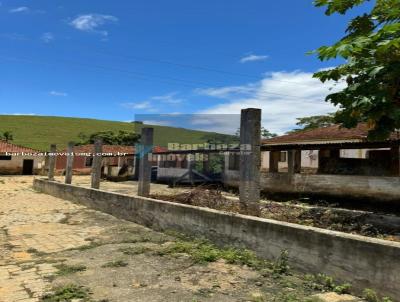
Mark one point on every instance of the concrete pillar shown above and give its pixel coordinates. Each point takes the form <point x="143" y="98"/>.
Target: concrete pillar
<point x="96" y="164"/>
<point x="395" y="158"/>
<point x="191" y="163"/>
<point x="250" y="160"/>
<point x="290" y="161"/>
<point x="137" y="164"/>
<point x="145" y="148"/>
<point x="70" y="162"/>
<point x="297" y="161"/>
<point x="294" y="161"/>
<point x="51" y="161"/>
<point x="274" y="161"/>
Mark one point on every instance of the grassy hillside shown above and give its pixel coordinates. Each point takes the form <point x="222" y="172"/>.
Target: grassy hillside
<point x="39" y="132"/>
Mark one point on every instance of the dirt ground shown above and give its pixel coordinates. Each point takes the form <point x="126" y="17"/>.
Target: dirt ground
<point x="54" y="250"/>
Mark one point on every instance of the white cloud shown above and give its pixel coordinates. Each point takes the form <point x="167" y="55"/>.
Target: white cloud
<point x="17" y="113"/>
<point x="21" y="9"/>
<point x="57" y="93"/>
<point x="253" y="58"/>
<point x="168" y="98"/>
<point x="228" y="92"/>
<point x="91" y="22"/>
<point x="282" y="96"/>
<point x="153" y="103"/>
<point x="139" y="105"/>
<point x="157" y="123"/>
<point x="47" y="37"/>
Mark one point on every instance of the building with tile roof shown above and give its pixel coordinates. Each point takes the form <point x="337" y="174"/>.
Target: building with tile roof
<point x="15" y="159"/>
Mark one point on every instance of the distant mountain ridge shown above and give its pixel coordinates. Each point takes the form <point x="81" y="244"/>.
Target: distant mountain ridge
<point x="38" y="132"/>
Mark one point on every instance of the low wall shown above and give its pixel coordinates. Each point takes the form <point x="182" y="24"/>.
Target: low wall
<point x="364" y="262"/>
<point x="371" y="187"/>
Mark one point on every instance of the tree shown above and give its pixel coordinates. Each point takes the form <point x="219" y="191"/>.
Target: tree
<point x="123" y="138"/>
<point x="371" y="48"/>
<point x="265" y="133"/>
<point x="314" y="122"/>
<point x="7" y="136"/>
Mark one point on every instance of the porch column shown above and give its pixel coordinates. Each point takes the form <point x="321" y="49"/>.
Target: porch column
<point x="274" y="161"/>
<point x="146" y="147"/>
<point x="294" y="161"/>
<point x="96" y="164"/>
<point x="395" y="159"/>
<point x="297" y="161"/>
<point x="52" y="161"/>
<point x="70" y="162"/>
<point x="250" y="160"/>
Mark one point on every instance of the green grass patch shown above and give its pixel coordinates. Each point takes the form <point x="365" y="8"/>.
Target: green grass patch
<point x="116" y="263"/>
<point x="64" y="269"/>
<point x="67" y="293"/>
<point x="202" y="251"/>
<point x="135" y="250"/>
<point x="371" y="296"/>
<point x="322" y="282"/>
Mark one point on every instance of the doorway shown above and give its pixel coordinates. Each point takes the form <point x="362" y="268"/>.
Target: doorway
<point x="27" y="167"/>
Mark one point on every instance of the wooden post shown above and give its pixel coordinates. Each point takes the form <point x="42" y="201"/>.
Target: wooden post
<point x="274" y="161"/>
<point x="70" y="162"/>
<point x="96" y="164"/>
<point x="52" y="161"/>
<point x="146" y="148"/>
<point x="250" y="160"/>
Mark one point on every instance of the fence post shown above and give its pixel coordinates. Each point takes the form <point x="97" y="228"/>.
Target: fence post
<point x="146" y="147"/>
<point x="70" y="162"/>
<point x="96" y="164"/>
<point x="250" y="160"/>
<point x="52" y="161"/>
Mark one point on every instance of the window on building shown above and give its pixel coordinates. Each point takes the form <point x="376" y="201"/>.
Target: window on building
<point x="88" y="161"/>
<point x="283" y="157"/>
<point x="5" y="157"/>
<point x="234" y="160"/>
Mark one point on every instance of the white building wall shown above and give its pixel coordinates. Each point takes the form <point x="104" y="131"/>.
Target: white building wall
<point x="15" y="165"/>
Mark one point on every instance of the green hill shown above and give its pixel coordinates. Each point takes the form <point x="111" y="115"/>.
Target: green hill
<point x="39" y="132"/>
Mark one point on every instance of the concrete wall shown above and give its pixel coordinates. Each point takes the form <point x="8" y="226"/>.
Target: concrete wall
<point x="371" y="187"/>
<point x="362" y="261"/>
<point x="14" y="166"/>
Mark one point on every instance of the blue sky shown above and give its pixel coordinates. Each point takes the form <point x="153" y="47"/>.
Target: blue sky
<point x="116" y="59"/>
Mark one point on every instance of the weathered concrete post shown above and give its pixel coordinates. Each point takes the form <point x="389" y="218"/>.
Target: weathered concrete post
<point x="52" y="161"/>
<point x="250" y="160"/>
<point x="146" y="147"/>
<point x="96" y="164"/>
<point x="70" y="162"/>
